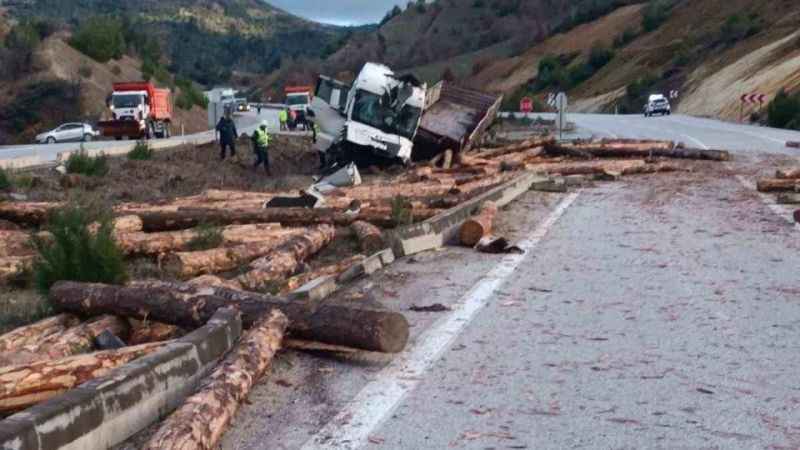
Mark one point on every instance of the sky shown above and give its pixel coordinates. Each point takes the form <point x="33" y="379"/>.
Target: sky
<point x="339" y="12"/>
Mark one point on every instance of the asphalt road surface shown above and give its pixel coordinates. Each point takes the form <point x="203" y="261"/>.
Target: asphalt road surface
<point x="655" y="312"/>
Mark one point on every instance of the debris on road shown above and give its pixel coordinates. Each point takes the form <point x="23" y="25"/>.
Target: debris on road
<point x="436" y="307"/>
<point x="793" y="144"/>
<point x="497" y="245"/>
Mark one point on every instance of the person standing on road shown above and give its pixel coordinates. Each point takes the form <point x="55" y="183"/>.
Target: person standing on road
<point x="258" y="108"/>
<point x="260" y="145"/>
<point x="227" y="135"/>
<point x="283" y="117"/>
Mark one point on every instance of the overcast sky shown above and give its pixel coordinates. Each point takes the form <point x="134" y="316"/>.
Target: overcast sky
<point x="339" y="12"/>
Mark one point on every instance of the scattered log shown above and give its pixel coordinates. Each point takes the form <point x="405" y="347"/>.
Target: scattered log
<point x="521" y="156"/>
<point x="214" y="281"/>
<point x="15" y="243"/>
<point x="201" y="421"/>
<point x="298" y="281"/>
<point x="27" y="213"/>
<point x="22" y="386"/>
<point x="146" y="331"/>
<point x="777" y="185"/>
<point x="587" y="167"/>
<point x="190" y="264"/>
<point x="646" y="151"/>
<point x="157" y="243"/>
<point x="514" y="148"/>
<point x="9" y="226"/>
<point x="285" y="259"/>
<point x="447" y="159"/>
<point x="478" y="226"/>
<point x="650" y="143"/>
<point x="370" y="237"/>
<point x="372" y="192"/>
<point x="12" y="268"/>
<point x="191" y="306"/>
<point x="122" y="224"/>
<point x="788" y="199"/>
<point x="788" y="174"/>
<point x="470" y="189"/>
<point x="22" y="337"/>
<point x="78" y="339"/>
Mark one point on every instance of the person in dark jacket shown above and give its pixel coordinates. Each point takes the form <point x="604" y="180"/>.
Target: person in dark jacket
<point x="227" y="135"/>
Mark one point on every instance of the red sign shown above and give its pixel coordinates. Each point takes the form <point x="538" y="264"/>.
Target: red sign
<point x="526" y="105"/>
<point x="753" y="98"/>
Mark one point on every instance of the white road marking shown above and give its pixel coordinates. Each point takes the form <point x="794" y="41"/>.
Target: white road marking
<point x="350" y="429"/>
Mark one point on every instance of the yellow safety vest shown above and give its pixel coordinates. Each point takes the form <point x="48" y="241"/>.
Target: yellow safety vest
<point x="261" y="138"/>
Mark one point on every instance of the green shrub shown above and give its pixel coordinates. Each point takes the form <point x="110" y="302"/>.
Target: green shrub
<point x="82" y="163"/>
<point x="74" y="253"/>
<point x="5" y="180"/>
<point x="784" y="111"/>
<point x="655" y="14"/>
<point x="141" y="152"/>
<point x="625" y="38"/>
<point x="100" y="38"/>
<point x="85" y="71"/>
<point x="402" y="211"/>
<point x="189" y="95"/>
<point x="738" y="27"/>
<point x="208" y="237"/>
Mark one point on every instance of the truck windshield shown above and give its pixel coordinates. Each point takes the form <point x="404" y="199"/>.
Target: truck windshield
<point x="369" y="111"/>
<point x="126" y="101"/>
<point x="294" y="100"/>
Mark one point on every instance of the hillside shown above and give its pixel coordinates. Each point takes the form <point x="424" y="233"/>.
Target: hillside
<point x="444" y="30"/>
<point x="203" y="39"/>
<point x="712" y="52"/>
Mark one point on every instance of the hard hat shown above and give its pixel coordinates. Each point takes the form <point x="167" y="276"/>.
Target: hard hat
<point x="264" y="124"/>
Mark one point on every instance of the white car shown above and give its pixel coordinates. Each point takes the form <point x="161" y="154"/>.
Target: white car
<point x="69" y="132"/>
<point x="657" y="104"/>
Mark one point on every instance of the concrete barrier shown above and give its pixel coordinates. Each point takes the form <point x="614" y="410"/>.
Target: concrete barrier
<point x="104" y="412"/>
<point x="442" y="228"/>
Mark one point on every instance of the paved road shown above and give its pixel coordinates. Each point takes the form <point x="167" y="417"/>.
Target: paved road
<point x="657" y="312"/>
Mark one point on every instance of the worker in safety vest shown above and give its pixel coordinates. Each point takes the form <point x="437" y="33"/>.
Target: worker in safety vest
<point x="260" y="140"/>
<point x="283" y="117"/>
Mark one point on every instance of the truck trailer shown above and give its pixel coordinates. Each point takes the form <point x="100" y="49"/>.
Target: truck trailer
<point x="139" y="110"/>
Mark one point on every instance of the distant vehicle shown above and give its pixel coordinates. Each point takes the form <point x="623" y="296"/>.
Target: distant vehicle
<point x="657" y="104"/>
<point x="139" y="110"/>
<point x="298" y="98"/>
<point x="242" y="105"/>
<point x="68" y="132"/>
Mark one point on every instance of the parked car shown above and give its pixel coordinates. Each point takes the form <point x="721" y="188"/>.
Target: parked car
<point x="68" y="132"/>
<point x="657" y="104"/>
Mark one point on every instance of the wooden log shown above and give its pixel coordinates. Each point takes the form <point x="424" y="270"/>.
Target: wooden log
<point x="203" y="418"/>
<point x="157" y="243"/>
<point x="12" y="268"/>
<point x="513" y="148"/>
<point x="521" y="156"/>
<point x="447" y="159"/>
<point x="645" y="151"/>
<point x="777" y="185"/>
<point x="370" y="237"/>
<point x="190" y="264"/>
<point x="387" y="192"/>
<point x="790" y="198"/>
<point x="284" y="261"/>
<point x="27" y="213"/>
<point x="22" y="337"/>
<point x="214" y="281"/>
<point x="15" y="243"/>
<point x="478" y="226"/>
<point x="78" y="339"/>
<point x="191" y="306"/>
<point x="788" y="174"/>
<point x="22" y="386"/>
<point x="609" y="142"/>
<point x="147" y="331"/>
<point x="475" y="187"/>
<point x="298" y="281"/>
<point x="122" y="224"/>
<point x="586" y="167"/>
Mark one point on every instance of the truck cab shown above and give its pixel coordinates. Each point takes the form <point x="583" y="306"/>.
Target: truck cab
<point x="298" y="98"/>
<point x="129" y="105"/>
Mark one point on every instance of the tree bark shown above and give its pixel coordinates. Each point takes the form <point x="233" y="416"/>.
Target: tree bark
<point x="645" y="151"/>
<point x="157" y="243"/>
<point x="192" y="306"/>
<point x="788" y="174"/>
<point x="15" y="243"/>
<point x="13" y="267"/>
<point x="370" y="237"/>
<point x="78" y="339"/>
<point x="777" y="185"/>
<point x="23" y="337"/>
<point x="298" y="281"/>
<point x="190" y="264"/>
<point x="22" y="386"/>
<point x="281" y="263"/>
<point x="204" y="417"/>
<point x="27" y="213"/>
<point x="146" y="332"/>
<point x="478" y="226"/>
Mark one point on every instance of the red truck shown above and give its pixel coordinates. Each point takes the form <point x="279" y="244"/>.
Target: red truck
<point x="139" y="110"/>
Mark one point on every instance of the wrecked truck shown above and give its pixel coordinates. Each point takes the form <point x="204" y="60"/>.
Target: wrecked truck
<point x="391" y="119"/>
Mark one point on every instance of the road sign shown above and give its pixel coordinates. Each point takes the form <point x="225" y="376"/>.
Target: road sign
<point x="674" y="94"/>
<point x="754" y="98"/>
<point x="562" y="101"/>
<point x="526" y="105"/>
<point x="551" y="100"/>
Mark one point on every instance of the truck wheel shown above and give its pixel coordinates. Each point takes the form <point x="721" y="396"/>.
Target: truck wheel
<point x="87" y="137"/>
